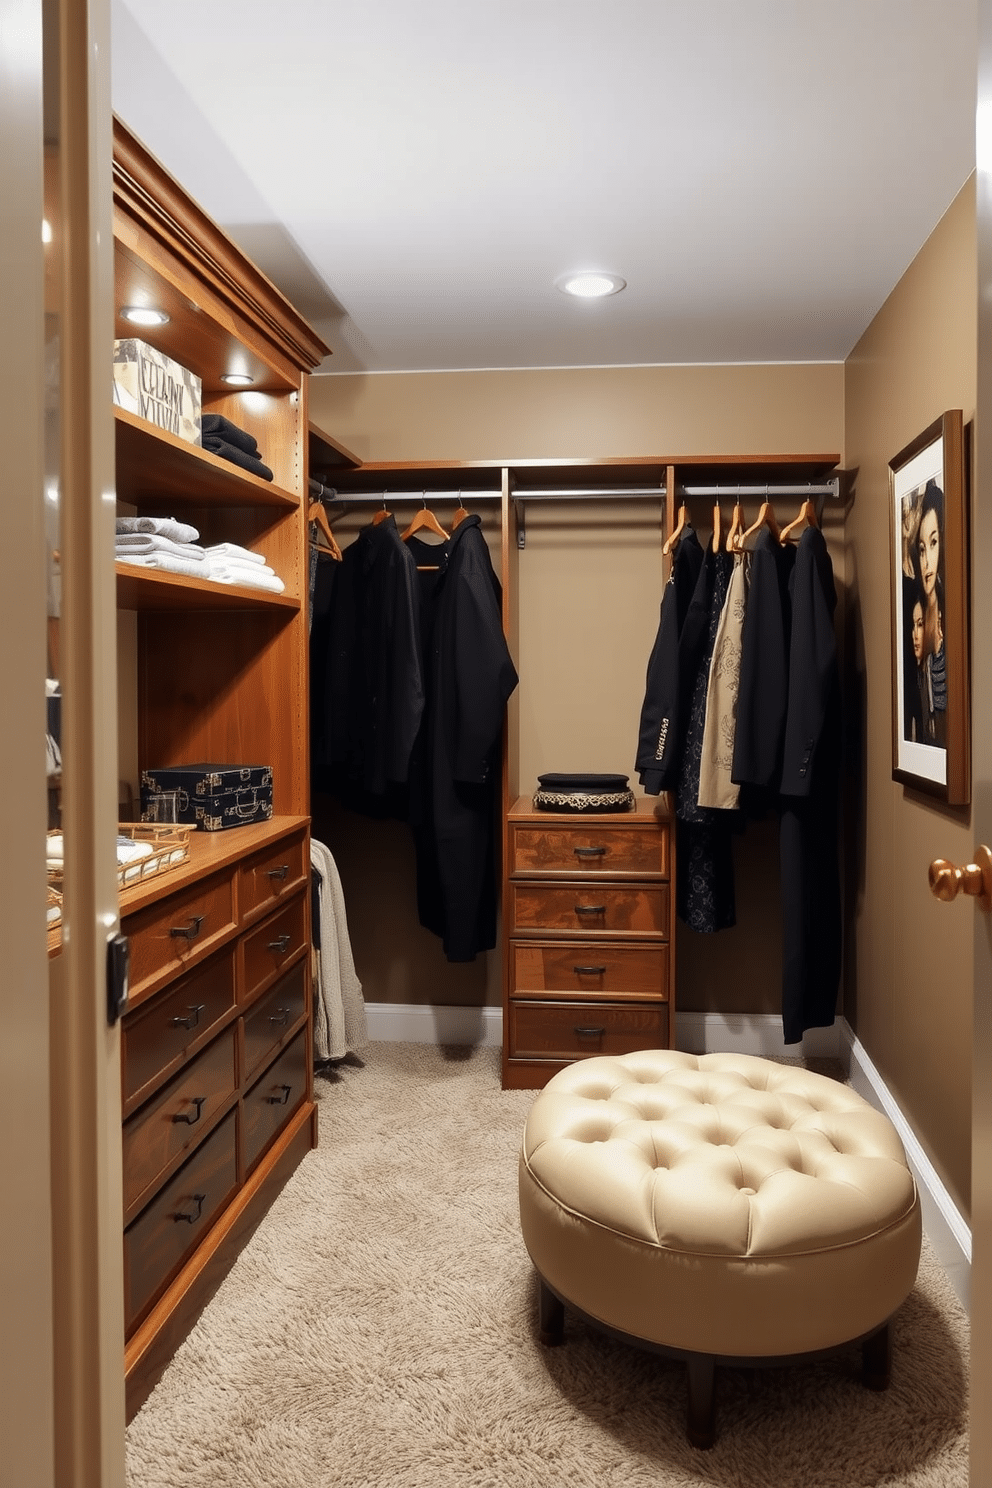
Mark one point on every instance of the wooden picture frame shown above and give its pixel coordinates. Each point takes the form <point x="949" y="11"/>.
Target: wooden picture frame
<point x="928" y="526"/>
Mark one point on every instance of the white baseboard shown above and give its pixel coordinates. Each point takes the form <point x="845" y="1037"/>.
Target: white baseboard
<point x="419" y="1023"/>
<point x="743" y="1033"/>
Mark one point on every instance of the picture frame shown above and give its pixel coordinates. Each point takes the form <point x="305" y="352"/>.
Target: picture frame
<point x="928" y="528"/>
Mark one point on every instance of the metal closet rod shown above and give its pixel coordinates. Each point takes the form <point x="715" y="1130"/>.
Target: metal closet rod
<point x="365" y="498"/>
<point x="798" y="488"/>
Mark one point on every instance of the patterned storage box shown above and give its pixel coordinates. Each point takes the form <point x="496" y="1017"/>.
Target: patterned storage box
<point x="213" y="797"/>
<point x="156" y="388"/>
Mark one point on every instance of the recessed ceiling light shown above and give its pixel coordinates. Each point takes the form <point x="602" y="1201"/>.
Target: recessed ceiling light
<point x="237" y="379"/>
<point x="591" y="286"/>
<point x="144" y="315"/>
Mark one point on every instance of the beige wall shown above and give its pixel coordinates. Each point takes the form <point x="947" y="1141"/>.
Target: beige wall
<point x="588" y="588"/>
<point x="909" y="971"/>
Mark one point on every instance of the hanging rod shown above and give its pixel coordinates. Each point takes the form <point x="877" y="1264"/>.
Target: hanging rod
<point x="365" y="498"/>
<point x="797" y="488"/>
<point x="584" y="493"/>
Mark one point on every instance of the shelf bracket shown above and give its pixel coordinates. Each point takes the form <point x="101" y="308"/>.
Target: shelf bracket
<point x="518" y="509"/>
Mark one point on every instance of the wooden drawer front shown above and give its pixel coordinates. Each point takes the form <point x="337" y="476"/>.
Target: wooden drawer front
<point x="590" y="908"/>
<point x="158" y="1242"/>
<point x="272" y="1020"/>
<point x="270" y="1102"/>
<point x="157" y="1039"/>
<point x="590" y="849"/>
<point x="590" y="969"/>
<point x="568" y="1030"/>
<point x="270" y="876"/>
<point x="269" y="949"/>
<point x="175" y="933"/>
<point x="174" y="1120"/>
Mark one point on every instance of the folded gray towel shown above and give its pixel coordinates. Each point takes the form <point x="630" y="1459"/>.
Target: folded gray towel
<point x="180" y="532"/>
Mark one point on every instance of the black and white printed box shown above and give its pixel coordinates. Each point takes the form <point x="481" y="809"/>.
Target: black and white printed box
<point x="152" y="385"/>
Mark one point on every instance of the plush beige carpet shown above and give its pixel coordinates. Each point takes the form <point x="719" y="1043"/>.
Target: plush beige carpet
<point x="380" y="1330"/>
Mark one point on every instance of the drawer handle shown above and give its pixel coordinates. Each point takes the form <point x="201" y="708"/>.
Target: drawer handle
<point x="589" y="852"/>
<point x="190" y="1019"/>
<point x="590" y="909"/>
<point x="280" y="1017"/>
<point x="195" y="1100"/>
<point x="280" y="944"/>
<point x="589" y="1032"/>
<point x="282" y="872"/>
<point x="191" y="931"/>
<point x="280" y="1100"/>
<point x="589" y="970"/>
<point x="199" y="1200"/>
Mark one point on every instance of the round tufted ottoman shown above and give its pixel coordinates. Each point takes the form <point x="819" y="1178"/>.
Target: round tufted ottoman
<point x="718" y="1207"/>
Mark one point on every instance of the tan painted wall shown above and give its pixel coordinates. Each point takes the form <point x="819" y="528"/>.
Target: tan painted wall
<point x="910" y="958"/>
<point x="588" y="586"/>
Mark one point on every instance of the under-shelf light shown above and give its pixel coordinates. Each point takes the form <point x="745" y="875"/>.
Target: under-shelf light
<point x="144" y="315"/>
<point x="237" y="379"/>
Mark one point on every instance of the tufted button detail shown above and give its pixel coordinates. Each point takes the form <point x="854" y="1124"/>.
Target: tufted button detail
<point x="749" y="1193"/>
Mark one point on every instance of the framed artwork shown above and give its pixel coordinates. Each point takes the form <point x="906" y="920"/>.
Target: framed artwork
<point x="928" y="521"/>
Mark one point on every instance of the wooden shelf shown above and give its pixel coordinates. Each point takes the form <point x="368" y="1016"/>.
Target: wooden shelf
<point x="328" y="454"/>
<point x="155" y="466"/>
<point x="156" y="589"/>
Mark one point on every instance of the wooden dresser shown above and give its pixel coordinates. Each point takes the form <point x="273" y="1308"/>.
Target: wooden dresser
<point x="589" y="918"/>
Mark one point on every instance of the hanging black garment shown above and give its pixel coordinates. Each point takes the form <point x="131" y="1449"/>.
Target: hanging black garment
<point x="764" y="685"/>
<point x="811" y="906"/>
<point x="665" y="696"/>
<point x="704" y="888"/>
<point x="324" y="584"/>
<point x="374" y="692"/>
<point x="454" y="774"/>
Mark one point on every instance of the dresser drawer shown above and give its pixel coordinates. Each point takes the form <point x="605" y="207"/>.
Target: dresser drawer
<point x="270" y="948"/>
<point x="272" y="875"/>
<point x="590" y="969"/>
<point x="176" y="932"/>
<point x="173" y="1121"/>
<point x="569" y="1030"/>
<point x="589" y="909"/>
<point x="167" y="1029"/>
<point x="589" y="849"/>
<point x="272" y="1020"/>
<point x="161" y="1238"/>
<point x="273" y="1099"/>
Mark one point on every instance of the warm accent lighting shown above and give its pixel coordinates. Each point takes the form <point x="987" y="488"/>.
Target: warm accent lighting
<point x="592" y="286"/>
<point x="237" y="379"/>
<point x="46" y="230"/>
<point x="143" y="315"/>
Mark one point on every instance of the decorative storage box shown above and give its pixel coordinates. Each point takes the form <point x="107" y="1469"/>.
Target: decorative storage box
<point x="213" y="797"/>
<point x="156" y="388"/>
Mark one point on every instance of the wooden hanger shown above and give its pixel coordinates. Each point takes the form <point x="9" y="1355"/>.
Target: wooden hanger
<point x="806" y="518"/>
<point x="717" y="526"/>
<point x="460" y="514"/>
<point x="672" y="541"/>
<point x="424" y="518"/>
<point x="736" y="532"/>
<point x="765" y="518"/>
<point x="381" y="515"/>
<point x="317" y="514"/>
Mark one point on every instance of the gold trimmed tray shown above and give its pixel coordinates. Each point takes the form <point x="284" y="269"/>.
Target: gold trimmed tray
<point x="169" y="844"/>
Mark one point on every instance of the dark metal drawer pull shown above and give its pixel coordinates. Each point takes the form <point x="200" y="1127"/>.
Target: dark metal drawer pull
<point x="280" y="1100"/>
<point x="589" y="1032"/>
<point x="589" y="970"/>
<point x="280" y="944"/>
<point x="190" y="931"/>
<point x="199" y="1200"/>
<point x="195" y="1100"/>
<point x="282" y="872"/>
<point x="190" y="1019"/>
<point x="280" y="1017"/>
<point x="589" y="852"/>
<point x="590" y="909"/>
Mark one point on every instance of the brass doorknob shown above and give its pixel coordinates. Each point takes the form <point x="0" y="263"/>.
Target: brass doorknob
<point x="947" y="881"/>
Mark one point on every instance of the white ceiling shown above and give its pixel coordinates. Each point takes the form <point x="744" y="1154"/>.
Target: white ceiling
<point x="415" y="174"/>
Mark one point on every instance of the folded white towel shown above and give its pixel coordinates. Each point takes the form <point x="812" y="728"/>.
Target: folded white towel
<point x="172" y="562"/>
<point x="145" y="542"/>
<point x="231" y="550"/>
<point x="162" y="526"/>
<point x="233" y="565"/>
<point x="251" y="578"/>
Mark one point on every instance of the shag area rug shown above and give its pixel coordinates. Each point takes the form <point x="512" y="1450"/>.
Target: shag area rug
<point x="380" y="1329"/>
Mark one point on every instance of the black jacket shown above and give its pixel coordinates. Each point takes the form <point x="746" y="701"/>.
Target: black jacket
<point x="659" y="745"/>
<point x="764" y="686"/>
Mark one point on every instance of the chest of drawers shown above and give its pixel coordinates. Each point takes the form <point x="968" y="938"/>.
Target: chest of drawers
<point x="589" y="928"/>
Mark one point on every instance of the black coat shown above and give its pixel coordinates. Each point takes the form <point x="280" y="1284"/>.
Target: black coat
<point x="455" y="776"/>
<point x="764" y="686"/>
<point x="811" y="906"/>
<point x="659" y="744"/>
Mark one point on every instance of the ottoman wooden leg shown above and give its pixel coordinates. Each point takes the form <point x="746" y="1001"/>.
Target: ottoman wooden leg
<point x="701" y="1414"/>
<point x="552" y="1315"/>
<point x="876" y="1359"/>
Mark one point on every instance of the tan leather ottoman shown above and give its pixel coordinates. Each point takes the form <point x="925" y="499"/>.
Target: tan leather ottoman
<point x="720" y="1208"/>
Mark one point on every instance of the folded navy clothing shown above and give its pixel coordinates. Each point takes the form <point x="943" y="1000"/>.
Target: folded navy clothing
<point x="219" y="427"/>
<point x="236" y="456"/>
